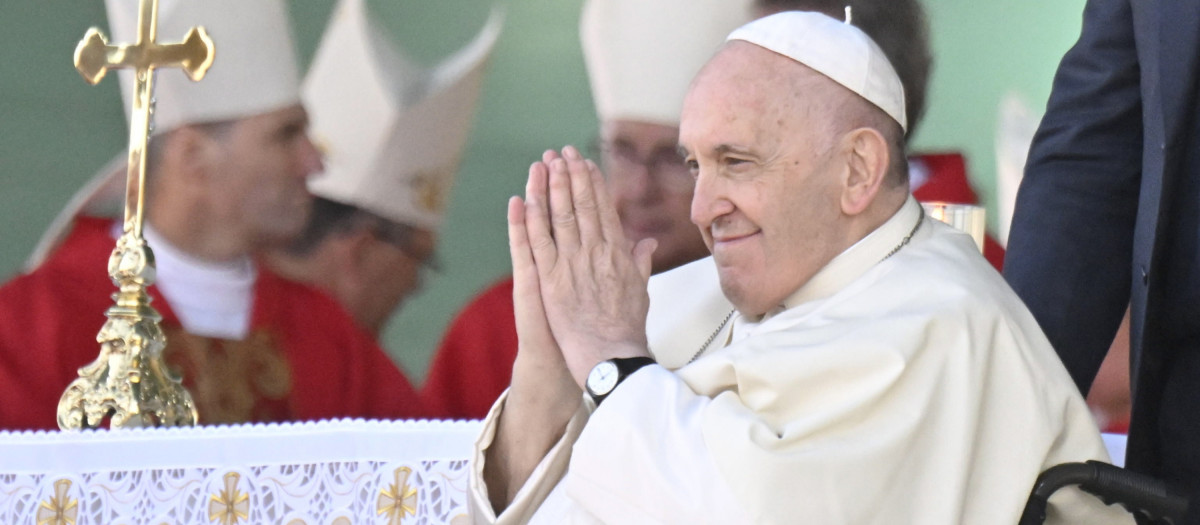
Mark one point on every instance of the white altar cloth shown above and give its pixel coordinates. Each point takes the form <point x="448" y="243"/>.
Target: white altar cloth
<point x="328" y="472"/>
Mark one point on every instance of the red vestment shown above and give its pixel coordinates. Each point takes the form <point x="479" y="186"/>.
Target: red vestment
<point x="304" y="358"/>
<point x="473" y="364"/>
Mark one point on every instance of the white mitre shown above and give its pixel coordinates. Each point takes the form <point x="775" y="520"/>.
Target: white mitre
<point x="392" y="133"/>
<point x="253" y="72"/>
<point x="254" y="68"/>
<point x="641" y="55"/>
<point x="835" y="49"/>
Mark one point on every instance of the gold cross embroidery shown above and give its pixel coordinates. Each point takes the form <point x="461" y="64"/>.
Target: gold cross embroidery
<point x="399" y="499"/>
<point x="231" y="505"/>
<point x="60" y="509"/>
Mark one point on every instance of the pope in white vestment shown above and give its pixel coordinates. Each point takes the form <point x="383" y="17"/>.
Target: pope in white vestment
<point x="902" y="382"/>
<point x="911" y="389"/>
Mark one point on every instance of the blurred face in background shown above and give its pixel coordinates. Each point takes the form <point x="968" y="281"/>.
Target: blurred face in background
<point x="652" y="189"/>
<point x="389" y="266"/>
<point x="262" y="172"/>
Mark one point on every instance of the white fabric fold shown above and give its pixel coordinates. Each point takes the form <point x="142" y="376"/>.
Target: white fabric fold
<point x="912" y="389"/>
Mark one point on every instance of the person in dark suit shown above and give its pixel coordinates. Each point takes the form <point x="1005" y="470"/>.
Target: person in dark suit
<point x="1107" y="217"/>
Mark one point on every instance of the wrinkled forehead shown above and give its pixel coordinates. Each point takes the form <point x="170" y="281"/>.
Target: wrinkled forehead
<point x="744" y="67"/>
<point x="745" y="79"/>
<point x="740" y="62"/>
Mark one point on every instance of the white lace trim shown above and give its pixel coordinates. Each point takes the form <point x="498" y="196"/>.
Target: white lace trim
<point x="328" y="472"/>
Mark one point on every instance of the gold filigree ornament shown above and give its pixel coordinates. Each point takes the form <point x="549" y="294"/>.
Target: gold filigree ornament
<point x="60" y="509"/>
<point x="399" y="499"/>
<point x="128" y="383"/>
<point x="231" y="505"/>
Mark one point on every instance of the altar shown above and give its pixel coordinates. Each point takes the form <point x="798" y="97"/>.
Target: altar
<point x="315" y="473"/>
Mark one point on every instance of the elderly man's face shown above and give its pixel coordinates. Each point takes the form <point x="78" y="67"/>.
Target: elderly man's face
<point x="755" y="130"/>
<point x="651" y="189"/>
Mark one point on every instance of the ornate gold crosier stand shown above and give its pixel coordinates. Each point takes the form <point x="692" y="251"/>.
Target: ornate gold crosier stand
<point x="129" y="383"/>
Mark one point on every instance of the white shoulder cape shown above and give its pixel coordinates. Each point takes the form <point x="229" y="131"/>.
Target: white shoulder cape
<point x="913" y="390"/>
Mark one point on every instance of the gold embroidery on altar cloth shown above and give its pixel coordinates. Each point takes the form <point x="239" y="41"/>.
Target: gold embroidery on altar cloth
<point x="232" y="381"/>
<point x="399" y="499"/>
<point x="60" y="509"/>
<point x="230" y="505"/>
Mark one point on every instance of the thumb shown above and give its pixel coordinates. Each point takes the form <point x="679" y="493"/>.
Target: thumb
<point x="641" y="255"/>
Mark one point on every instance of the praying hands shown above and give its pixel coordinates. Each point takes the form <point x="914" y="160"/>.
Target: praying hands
<point x="591" y="279"/>
<point x="579" y="292"/>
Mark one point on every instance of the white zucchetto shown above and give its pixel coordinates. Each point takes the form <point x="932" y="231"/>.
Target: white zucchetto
<point x="835" y="49"/>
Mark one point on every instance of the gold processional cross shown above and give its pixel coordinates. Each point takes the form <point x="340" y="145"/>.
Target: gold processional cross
<point x="129" y="383"/>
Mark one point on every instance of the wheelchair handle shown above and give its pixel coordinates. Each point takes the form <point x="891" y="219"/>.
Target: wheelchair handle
<point x="1140" y="494"/>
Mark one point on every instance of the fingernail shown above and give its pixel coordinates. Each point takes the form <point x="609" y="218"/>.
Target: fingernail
<point x="571" y="153"/>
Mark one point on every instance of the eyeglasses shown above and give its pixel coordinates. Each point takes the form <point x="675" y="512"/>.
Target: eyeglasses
<point x="404" y="238"/>
<point x="624" y="163"/>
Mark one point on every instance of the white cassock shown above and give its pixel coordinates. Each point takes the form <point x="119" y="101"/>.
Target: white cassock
<point x="914" y="388"/>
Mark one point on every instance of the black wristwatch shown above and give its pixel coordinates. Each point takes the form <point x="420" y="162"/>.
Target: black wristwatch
<point x="606" y="375"/>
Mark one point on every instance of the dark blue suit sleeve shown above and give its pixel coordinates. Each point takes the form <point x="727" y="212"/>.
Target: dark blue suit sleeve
<point x="1071" y="242"/>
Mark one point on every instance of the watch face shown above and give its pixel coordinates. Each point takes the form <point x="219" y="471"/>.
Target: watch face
<point x="603" y="378"/>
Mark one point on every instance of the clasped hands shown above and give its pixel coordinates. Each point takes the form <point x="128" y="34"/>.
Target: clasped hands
<point x="579" y="286"/>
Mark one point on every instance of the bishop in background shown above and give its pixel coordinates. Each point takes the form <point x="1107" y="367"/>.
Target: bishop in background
<point x="226" y="177"/>
<point x="393" y="134"/>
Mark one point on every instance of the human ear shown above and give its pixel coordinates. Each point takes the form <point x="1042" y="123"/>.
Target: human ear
<point x="192" y="154"/>
<point x="867" y="160"/>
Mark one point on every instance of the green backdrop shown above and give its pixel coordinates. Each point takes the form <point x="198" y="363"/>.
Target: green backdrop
<point x="55" y="130"/>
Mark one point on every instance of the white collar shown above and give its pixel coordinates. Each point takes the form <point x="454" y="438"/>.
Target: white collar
<point x="210" y="299"/>
<point x="862" y="256"/>
<point x="842" y="269"/>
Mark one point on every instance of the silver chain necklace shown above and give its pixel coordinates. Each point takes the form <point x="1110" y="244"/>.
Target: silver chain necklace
<point x="714" y="335"/>
<point x="721" y="327"/>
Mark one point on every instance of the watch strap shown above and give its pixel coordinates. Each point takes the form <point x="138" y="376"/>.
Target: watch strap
<point x="626" y="366"/>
